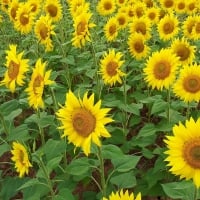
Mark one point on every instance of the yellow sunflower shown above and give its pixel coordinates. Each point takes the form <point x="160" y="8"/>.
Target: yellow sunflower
<point x="44" y="31"/>
<point x="196" y="29"/>
<point x="191" y="7"/>
<point x="35" y="6"/>
<point x="5" y="4"/>
<point x="184" y="51"/>
<point x="12" y="9"/>
<point x="153" y="14"/>
<point x="160" y="71"/>
<point x="139" y="9"/>
<point x="141" y="25"/>
<point x="137" y="46"/>
<point x="111" y="29"/>
<point x="188" y="25"/>
<point x="120" y="195"/>
<point x="149" y="3"/>
<point x="24" y="18"/>
<point x="187" y="86"/>
<point x="20" y="157"/>
<point x="180" y="6"/>
<point x="16" y="69"/>
<point x="168" y="27"/>
<point x="183" y="151"/>
<point x="81" y="29"/>
<point x="130" y="12"/>
<point x="121" y="2"/>
<point x="167" y="5"/>
<point x="53" y="8"/>
<point x="106" y="7"/>
<point x="35" y="89"/>
<point x="122" y="20"/>
<point x="83" y="121"/>
<point x="110" y="66"/>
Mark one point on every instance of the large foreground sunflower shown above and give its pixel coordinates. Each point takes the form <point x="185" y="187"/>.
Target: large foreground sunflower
<point x="20" y="157"/>
<point x="110" y="66"/>
<point x="183" y="154"/>
<point x="120" y="195"/>
<point x="83" y="121"/>
<point x="16" y="68"/>
<point x="187" y="86"/>
<point x="160" y="71"/>
<point x="35" y="89"/>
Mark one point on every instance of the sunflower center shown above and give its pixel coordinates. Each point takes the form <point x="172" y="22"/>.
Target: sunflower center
<point x="21" y="157"/>
<point x="168" y="28"/>
<point x="168" y="3"/>
<point x="181" y="6"/>
<point x="112" y="29"/>
<point x="13" y="12"/>
<point x="191" y="153"/>
<point x="139" y="12"/>
<point x="43" y="31"/>
<point x="183" y="52"/>
<point x="24" y="19"/>
<point x="191" y="6"/>
<point x="152" y="16"/>
<point x="130" y="13"/>
<point x="197" y="27"/>
<point x="52" y="10"/>
<point x="190" y="26"/>
<point x="192" y="83"/>
<point x="162" y="70"/>
<point x="37" y="83"/>
<point x="111" y="68"/>
<point x="107" y="6"/>
<point x="33" y="7"/>
<point x="121" y="21"/>
<point x="141" y="28"/>
<point x="81" y="28"/>
<point x="139" y="46"/>
<point x="13" y="69"/>
<point x="83" y="122"/>
<point x="121" y="1"/>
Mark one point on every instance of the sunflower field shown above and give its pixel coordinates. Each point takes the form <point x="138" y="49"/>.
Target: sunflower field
<point x="99" y="99"/>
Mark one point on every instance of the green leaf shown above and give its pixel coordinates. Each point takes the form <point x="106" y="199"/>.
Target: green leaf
<point x="125" y="163"/>
<point x="13" y="114"/>
<point x="3" y="148"/>
<point x="53" y="163"/>
<point x="111" y="151"/>
<point x="68" y="60"/>
<point x="124" y="180"/>
<point x="158" y="106"/>
<point x="30" y="183"/>
<point x="148" y="130"/>
<point x="64" y="194"/>
<point x="8" y="107"/>
<point x="79" y="166"/>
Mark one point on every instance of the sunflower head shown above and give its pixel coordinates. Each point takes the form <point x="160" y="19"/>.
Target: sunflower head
<point x="183" y="154"/>
<point x="106" y="7"/>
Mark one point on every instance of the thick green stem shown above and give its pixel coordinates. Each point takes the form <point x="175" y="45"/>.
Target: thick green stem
<point x="41" y="130"/>
<point x="4" y="124"/>
<point x="169" y="105"/>
<point x="102" y="173"/>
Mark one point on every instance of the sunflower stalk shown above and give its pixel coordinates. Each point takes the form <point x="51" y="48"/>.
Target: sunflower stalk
<point x="4" y="124"/>
<point x="41" y="130"/>
<point x="169" y="105"/>
<point x="102" y="173"/>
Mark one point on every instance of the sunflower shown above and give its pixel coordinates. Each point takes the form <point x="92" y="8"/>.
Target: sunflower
<point x="183" y="49"/>
<point x="160" y="71"/>
<point x="137" y="46"/>
<point x="44" y="31"/>
<point x="149" y="3"/>
<point x="168" y="27"/>
<point x="196" y="29"/>
<point x="12" y="9"/>
<point x="120" y="195"/>
<point x="191" y="7"/>
<point x="167" y="5"/>
<point x="20" y="157"/>
<point x="141" y="25"/>
<point x="81" y="27"/>
<point x="35" y="89"/>
<point x="122" y="20"/>
<point x="130" y="12"/>
<point x="35" y="6"/>
<point x="153" y="14"/>
<point x="121" y="2"/>
<point x="106" y="7"/>
<point x="83" y="121"/>
<point x="5" y="4"/>
<point x="187" y="86"/>
<point x="183" y="151"/>
<point x="111" y="29"/>
<point x="110" y="67"/>
<point x="180" y="6"/>
<point x="139" y="9"/>
<point x="24" y="18"/>
<point x="54" y="9"/>
<point x="188" y="26"/>
<point x="16" y="68"/>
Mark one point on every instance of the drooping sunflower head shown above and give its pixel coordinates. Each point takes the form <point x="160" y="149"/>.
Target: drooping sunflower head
<point x="123" y="195"/>
<point x="160" y="71"/>
<point x="168" y="27"/>
<point x="111" y="29"/>
<point x="53" y="8"/>
<point x="44" y="31"/>
<point x="20" y="157"/>
<point x="141" y="25"/>
<point x="183" y="154"/>
<point x="83" y="121"/>
<point x="24" y="18"/>
<point x="137" y="46"/>
<point x="79" y="6"/>
<point x="12" y="9"/>
<point x="82" y="27"/>
<point x="183" y="50"/>
<point x="106" y="7"/>
<point x="110" y="66"/>
<point x="187" y="86"/>
<point x="16" y="68"/>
